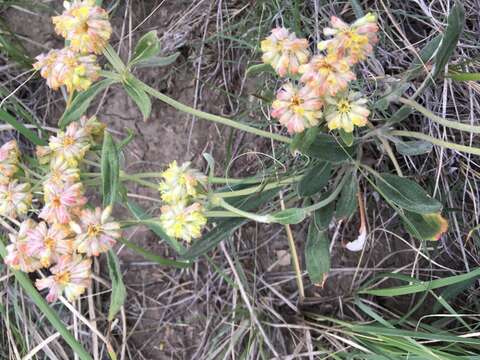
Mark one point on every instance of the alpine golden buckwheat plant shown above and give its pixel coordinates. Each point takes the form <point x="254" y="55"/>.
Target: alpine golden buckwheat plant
<point x="323" y="116"/>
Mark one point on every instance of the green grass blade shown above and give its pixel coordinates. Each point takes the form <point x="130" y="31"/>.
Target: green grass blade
<point x="422" y="286"/>
<point x="45" y="308"/>
<point x="29" y="134"/>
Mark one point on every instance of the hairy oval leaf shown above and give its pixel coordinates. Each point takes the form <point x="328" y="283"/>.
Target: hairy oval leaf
<point x="407" y="194"/>
<point x="347" y="203"/>
<point x="317" y="254"/>
<point x="119" y="293"/>
<point x="110" y="170"/>
<point x="315" y="179"/>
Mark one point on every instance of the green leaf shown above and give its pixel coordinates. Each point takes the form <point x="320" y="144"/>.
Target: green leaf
<point x="425" y="226"/>
<point x="421" y="286"/>
<point x="304" y="140"/>
<point x="47" y="310"/>
<point x="29" y="134"/>
<point x="289" y="216"/>
<point x="140" y="97"/>
<point x="347" y="203"/>
<point x="452" y="291"/>
<point x="81" y="102"/>
<point x="347" y="137"/>
<point x="147" y="47"/>
<point x="407" y="194"/>
<point x="464" y="76"/>
<point x="110" y="170"/>
<point x="257" y="69"/>
<point x="323" y="216"/>
<point x="455" y="24"/>
<point x="225" y="227"/>
<point x="154" y="226"/>
<point x="157" y="61"/>
<point x="357" y="8"/>
<point x="315" y="179"/>
<point x="326" y="147"/>
<point x="414" y="147"/>
<point x="317" y="253"/>
<point x="119" y="293"/>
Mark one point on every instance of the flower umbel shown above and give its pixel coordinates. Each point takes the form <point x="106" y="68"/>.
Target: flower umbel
<point x="95" y="232"/>
<point x="353" y="42"/>
<point x="297" y="108"/>
<point x="180" y="182"/>
<point x="15" y="199"/>
<point x="17" y="254"/>
<point x="71" y="275"/>
<point x="66" y="68"/>
<point x="183" y="222"/>
<point x="48" y="243"/>
<point x="344" y="112"/>
<point x="85" y="25"/>
<point x="70" y="145"/>
<point x="284" y="51"/>
<point x="60" y="201"/>
<point x="327" y="75"/>
<point x="61" y="173"/>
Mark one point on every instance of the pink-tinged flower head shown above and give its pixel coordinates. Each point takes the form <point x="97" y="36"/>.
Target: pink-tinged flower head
<point x="48" y="244"/>
<point x="95" y="233"/>
<point x="15" y="199"/>
<point x="71" y="144"/>
<point x="353" y="42"/>
<point x="85" y="25"/>
<point x="61" y="173"/>
<point x="284" y="51"/>
<point x="9" y="157"/>
<point x="71" y="275"/>
<point x="60" y="201"/>
<point x="17" y="254"/>
<point x="345" y="112"/>
<point x="297" y="108"/>
<point x="327" y="75"/>
<point x="66" y="68"/>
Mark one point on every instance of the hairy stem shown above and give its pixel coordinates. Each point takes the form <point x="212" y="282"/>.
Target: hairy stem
<point x="445" y="144"/>
<point x="439" y="120"/>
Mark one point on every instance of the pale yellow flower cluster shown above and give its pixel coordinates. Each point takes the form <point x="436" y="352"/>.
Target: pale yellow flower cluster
<point x="183" y="216"/>
<point x="322" y="91"/>
<point x="15" y="197"/>
<point x="67" y="233"/>
<point x="87" y="30"/>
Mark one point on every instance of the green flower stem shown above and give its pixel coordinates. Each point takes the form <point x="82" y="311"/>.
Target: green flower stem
<point x="46" y="310"/>
<point x="123" y="74"/>
<point x="220" y="214"/>
<point x="445" y="144"/>
<point x="138" y="181"/>
<point x="213" y="180"/>
<point x="215" y="118"/>
<point x="448" y="123"/>
<point x="260" y="187"/>
<point x="252" y="216"/>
